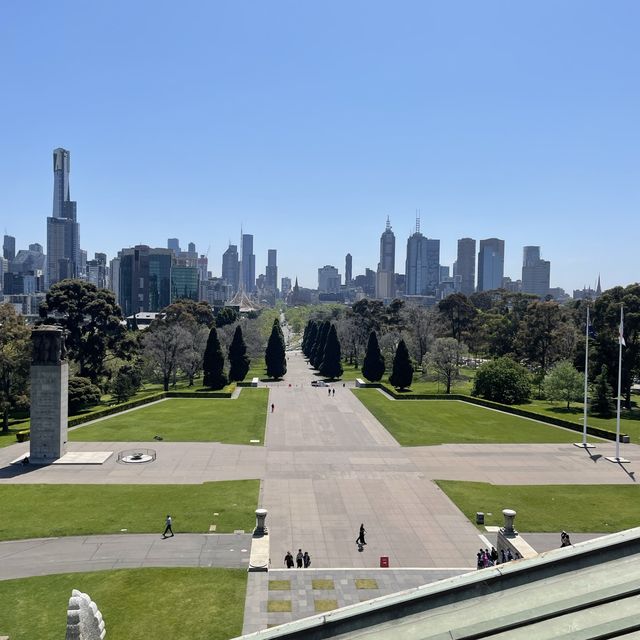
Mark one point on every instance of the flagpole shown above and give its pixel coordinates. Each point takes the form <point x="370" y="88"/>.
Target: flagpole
<point x="584" y="444"/>
<point x="617" y="457"/>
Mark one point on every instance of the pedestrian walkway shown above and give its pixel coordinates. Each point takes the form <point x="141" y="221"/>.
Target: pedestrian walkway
<point x="285" y="595"/>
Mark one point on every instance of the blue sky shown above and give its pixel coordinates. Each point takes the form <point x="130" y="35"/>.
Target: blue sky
<point x="309" y="123"/>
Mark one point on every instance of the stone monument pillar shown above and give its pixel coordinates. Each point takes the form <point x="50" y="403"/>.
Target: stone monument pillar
<point x="49" y="395"/>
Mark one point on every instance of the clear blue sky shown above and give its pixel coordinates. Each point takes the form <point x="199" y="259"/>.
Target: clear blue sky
<point x="309" y="123"/>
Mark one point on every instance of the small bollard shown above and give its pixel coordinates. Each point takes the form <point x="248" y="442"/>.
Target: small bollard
<point x="479" y="517"/>
<point x="261" y="516"/>
<point x="384" y="562"/>
<point x="509" y="516"/>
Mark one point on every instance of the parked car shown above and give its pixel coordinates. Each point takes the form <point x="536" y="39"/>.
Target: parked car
<point x="319" y="383"/>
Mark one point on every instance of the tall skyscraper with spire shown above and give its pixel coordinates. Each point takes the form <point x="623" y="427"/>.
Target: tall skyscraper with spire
<point x="247" y="264"/>
<point x="422" y="269"/>
<point x="385" y="275"/>
<point x="63" y="230"/>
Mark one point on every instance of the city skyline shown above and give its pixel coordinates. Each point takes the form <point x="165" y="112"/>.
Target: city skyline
<point x="516" y="122"/>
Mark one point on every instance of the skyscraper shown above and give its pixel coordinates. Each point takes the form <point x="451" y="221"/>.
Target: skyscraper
<point x="466" y="265"/>
<point x="422" y="266"/>
<point x="536" y="272"/>
<point x="63" y="230"/>
<point x="271" y="272"/>
<point x="9" y="248"/>
<point x="348" y="269"/>
<point x="145" y="279"/>
<point x="248" y="264"/>
<point x="490" y="264"/>
<point x="385" y="279"/>
<point x="231" y="267"/>
<point x="328" y="279"/>
<point x="174" y="245"/>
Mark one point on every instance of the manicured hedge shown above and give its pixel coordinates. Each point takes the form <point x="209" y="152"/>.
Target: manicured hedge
<point x="558" y="422"/>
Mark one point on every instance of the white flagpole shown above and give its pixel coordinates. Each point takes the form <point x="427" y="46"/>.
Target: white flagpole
<point x="617" y="457"/>
<point x="619" y="388"/>
<point x="584" y="444"/>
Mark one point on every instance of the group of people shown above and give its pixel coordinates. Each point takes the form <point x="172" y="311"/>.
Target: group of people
<point x="332" y="392"/>
<point x="486" y="558"/>
<point x="302" y="560"/>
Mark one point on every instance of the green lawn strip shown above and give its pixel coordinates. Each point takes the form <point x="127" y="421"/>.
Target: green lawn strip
<point x="137" y="604"/>
<point x="432" y="422"/>
<point x="257" y="369"/>
<point x="186" y="420"/>
<point x="550" y="508"/>
<point x="44" y="510"/>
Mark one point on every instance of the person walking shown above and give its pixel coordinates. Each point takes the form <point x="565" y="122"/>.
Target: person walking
<point x="288" y="560"/>
<point x="329" y="392"/>
<point x="168" y="523"/>
<point x="360" y="539"/>
<point x="273" y="406"/>
<point x="333" y="393"/>
<point x="306" y="559"/>
<point x="299" y="559"/>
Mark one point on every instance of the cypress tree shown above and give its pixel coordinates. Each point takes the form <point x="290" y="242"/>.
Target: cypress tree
<point x="320" y="344"/>
<point x="305" y="335"/>
<point x="331" y="366"/>
<point x="373" y="363"/>
<point x="238" y="359"/>
<point x="402" y="374"/>
<point x="213" y="363"/>
<point x="602" y="394"/>
<point x="311" y="338"/>
<point x="274" y="356"/>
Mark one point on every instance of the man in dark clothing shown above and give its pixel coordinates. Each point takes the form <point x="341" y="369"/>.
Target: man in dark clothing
<point x="299" y="559"/>
<point x="306" y="558"/>
<point x="360" y="539"/>
<point x="288" y="560"/>
<point x="168" y="528"/>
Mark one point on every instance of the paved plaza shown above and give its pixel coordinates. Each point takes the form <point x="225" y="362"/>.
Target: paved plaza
<point x="326" y="467"/>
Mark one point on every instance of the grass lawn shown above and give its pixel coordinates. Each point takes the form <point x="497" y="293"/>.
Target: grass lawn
<point x="575" y="508"/>
<point x="257" y="369"/>
<point x="186" y="420"/>
<point x="44" y="510"/>
<point x="137" y="604"/>
<point x="431" y="422"/>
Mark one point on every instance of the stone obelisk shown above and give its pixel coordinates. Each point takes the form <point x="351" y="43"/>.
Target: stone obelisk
<point x="49" y="395"/>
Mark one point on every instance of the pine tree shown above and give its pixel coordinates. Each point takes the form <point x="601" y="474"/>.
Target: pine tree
<point x="274" y="356"/>
<point x="602" y="394"/>
<point x="373" y="363"/>
<point x="238" y="359"/>
<point x="213" y="363"/>
<point x="402" y="374"/>
<point x="311" y="338"/>
<point x="320" y="344"/>
<point x="331" y="366"/>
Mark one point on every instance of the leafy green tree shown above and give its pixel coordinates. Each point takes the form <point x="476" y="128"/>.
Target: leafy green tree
<point x="402" y="372"/>
<point x="459" y="313"/>
<point x="373" y="363"/>
<point x="183" y="309"/>
<point x="602" y="394"/>
<point x="93" y="323"/>
<point x="238" y="359"/>
<point x="331" y="366"/>
<point x="444" y="360"/>
<point x="213" y="363"/>
<point x="502" y="380"/>
<point x="82" y="394"/>
<point x="15" y="359"/>
<point x="606" y="321"/>
<point x="225" y="316"/>
<point x="275" y="358"/>
<point x="564" y="382"/>
<point x="125" y="383"/>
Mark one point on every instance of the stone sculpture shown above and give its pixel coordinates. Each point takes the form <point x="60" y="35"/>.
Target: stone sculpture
<point x="48" y="345"/>
<point x="84" y="620"/>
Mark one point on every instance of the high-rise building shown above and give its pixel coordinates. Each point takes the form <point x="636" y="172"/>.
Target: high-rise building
<point x="271" y="272"/>
<point x="348" y="269"/>
<point x="466" y="265"/>
<point x="185" y="283"/>
<point x="285" y="286"/>
<point x="422" y="266"/>
<point x="231" y="267"/>
<point x="247" y="264"/>
<point x="490" y="264"/>
<point x="385" y="278"/>
<point x="536" y="273"/>
<point x="63" y="230"/>
<point x="329" y="280"/>
<point x="145" y="279"/>
<point x="191" y="247"/>
<point x="97" y="270"/>
<point x="174" y="245"/>
<point x="9" y="248"/>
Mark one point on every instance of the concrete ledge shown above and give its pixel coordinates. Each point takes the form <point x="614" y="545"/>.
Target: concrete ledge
<point x="254" y="382"/>
<point x="259" y="558"/>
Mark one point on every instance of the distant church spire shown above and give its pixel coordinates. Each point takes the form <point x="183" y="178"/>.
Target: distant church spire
<point x="598" y="287"/>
